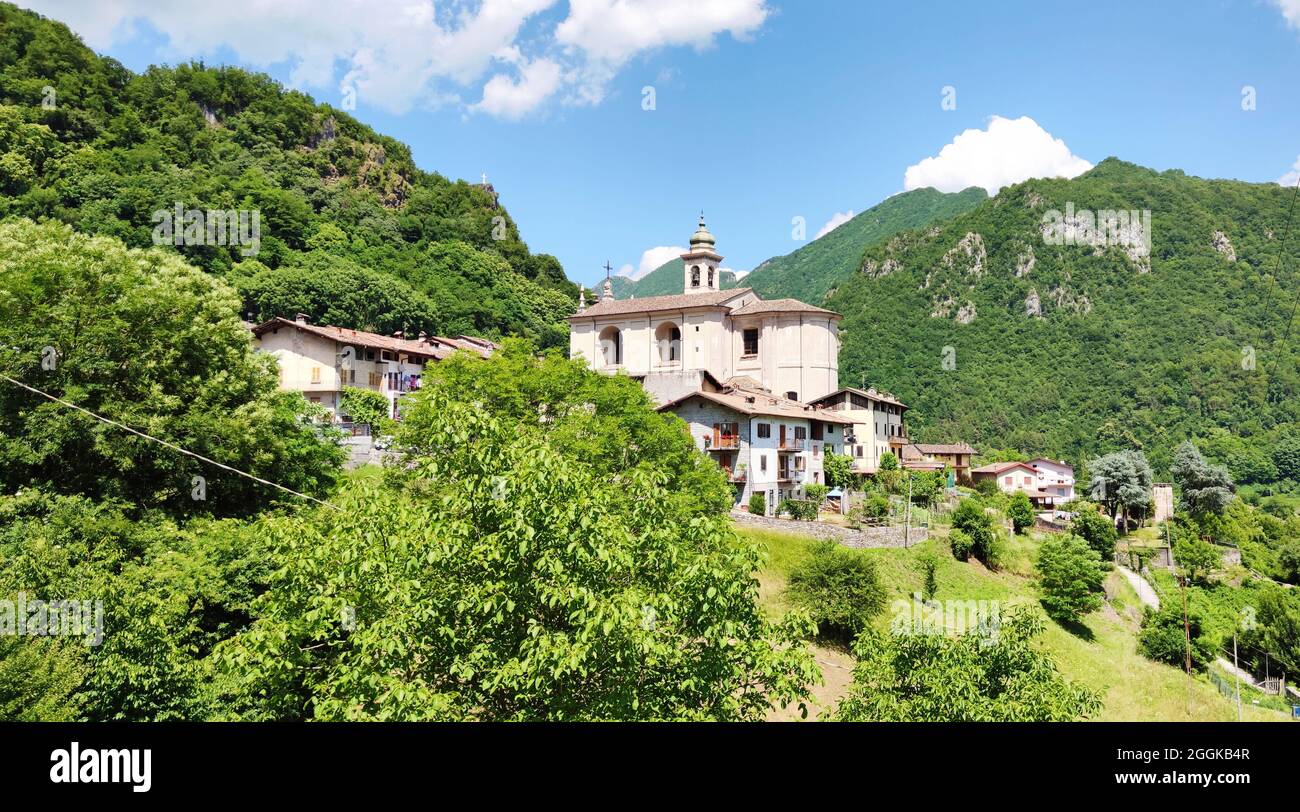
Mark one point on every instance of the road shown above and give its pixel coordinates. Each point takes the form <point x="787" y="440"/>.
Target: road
<point x="1146" y="593"/>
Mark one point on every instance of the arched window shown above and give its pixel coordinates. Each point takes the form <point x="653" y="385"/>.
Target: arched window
<point x="611" y="346"/>
<point x="695" y="276"/>
<point x="711" y="271"/>
<point x="668" y="337"/>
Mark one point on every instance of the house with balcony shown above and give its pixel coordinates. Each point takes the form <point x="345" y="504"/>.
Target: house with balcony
<point x="765" y="443"/>
<point x="321" y="361"/>
<point x="955" y="457"/>
<point x="1055" y="478"/>
<point x="879" y="425"/>
<point x="1047" y="483"/>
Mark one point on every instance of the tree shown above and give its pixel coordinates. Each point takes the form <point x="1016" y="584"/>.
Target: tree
<point x="1195" y="556"/>
<point x="367" y="406"/>
<point x="503" y="573"/>
<point x="973" y="520"/>
<point x="838" y="469"/>
<point x="839" y="589"/>
<point x="1204" y="489"/>
<point x="1070" y="575"/>
<point x="1121" y="482"/>
<point x="1094" y="528"/>
<point x="153" y="343"/>
<point x="1163" y="636"/>
<point x="1021" y="512"/>
<point x="1286" y="456"/>
<point x="972" y="677"/>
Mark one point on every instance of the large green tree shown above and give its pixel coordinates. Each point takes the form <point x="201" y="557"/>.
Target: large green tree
<point x="147" y="340"/>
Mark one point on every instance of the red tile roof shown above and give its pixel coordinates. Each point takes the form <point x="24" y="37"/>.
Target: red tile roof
<point x="435" y="347"/>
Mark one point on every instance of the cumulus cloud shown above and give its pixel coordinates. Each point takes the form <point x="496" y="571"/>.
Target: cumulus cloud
<point x="652" y="258"/>
<point x="397" y="54"/>
<point x="838" y="219"/>
<point x="1290" y="10"/>
<point x="1292" y="177"/>
<point x="513" y="99"/>
<point x="1009" y="151"/>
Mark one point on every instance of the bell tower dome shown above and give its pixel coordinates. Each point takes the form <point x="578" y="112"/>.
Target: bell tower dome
<point x="701" y="263"/>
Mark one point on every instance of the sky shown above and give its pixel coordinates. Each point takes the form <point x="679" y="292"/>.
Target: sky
<point x="607" y="126"/>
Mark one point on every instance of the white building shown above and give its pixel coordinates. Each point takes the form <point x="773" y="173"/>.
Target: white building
<point x="1047" y="483"/>
<point x="766" y="444"/>
<point x="878" y="425"/>
<point x="322" y="361"/>
<point x="672" y="342"/>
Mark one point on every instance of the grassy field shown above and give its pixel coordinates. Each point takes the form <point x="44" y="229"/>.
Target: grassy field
<point x="1102" y="654"/>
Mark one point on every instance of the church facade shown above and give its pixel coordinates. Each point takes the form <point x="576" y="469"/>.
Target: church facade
<point x="694" y="340"/>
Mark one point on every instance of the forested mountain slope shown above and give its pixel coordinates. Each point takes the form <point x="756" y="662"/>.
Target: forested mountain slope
<point x="999" y="337"/>
<point x="85" y="141"/>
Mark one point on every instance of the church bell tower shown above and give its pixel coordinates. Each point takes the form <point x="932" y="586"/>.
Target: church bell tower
<point x="701" y="263"/>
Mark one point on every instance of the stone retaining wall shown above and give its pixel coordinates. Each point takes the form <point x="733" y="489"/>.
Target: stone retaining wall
<point x="866" y="537"/>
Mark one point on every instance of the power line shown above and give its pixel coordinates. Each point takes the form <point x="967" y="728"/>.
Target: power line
<point x="167" y="444"/>
<point x="1280" y="254"/>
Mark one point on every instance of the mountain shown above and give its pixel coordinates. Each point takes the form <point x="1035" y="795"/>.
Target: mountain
<point x="86" y="141"/>
<point x="1009" y="327"/>
<point x="808" y="273"/>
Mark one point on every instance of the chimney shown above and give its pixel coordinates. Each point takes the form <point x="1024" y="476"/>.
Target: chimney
<point x="301" y="318"/>
<point x="398" y="334"/>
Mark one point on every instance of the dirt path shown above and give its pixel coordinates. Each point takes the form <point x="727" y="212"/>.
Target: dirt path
<point x="837" y="674"/>
<point x="1146" y="592"/>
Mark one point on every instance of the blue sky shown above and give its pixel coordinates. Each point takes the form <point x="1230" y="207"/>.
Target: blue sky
<point x="765" y="110"/>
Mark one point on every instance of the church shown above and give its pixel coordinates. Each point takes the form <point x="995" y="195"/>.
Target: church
<point x="706" y="336"/>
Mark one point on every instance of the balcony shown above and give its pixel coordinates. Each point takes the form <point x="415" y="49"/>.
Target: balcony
<point x="734" y="476"/>
<point x="725" y="442"/>
<point x="790" y="445"/>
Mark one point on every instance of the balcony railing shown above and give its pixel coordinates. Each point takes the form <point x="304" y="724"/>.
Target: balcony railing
<point x="790" y="445"/>
<point x="734" y="476"/>
<point x="722" y="443"/>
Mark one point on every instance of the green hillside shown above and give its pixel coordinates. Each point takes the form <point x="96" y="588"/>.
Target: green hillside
<point x="1068" y="350"/>
<point x="350" y="228"/>
<point x="810" y="272"/>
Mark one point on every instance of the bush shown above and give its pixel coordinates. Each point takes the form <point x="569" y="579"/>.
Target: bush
<point x="839" y="588"/>
<point x="986" y="487"/>
<point x="1021" y="512"/>
<point x="801" y="510"/>
<point x="970" y="518"/>
<point x="1070" y="575"/>
<point x="757" y="504"/>
<point x="1163" y="637"/>
<point x="1099" y="531"/>
<point x="929" y="564"/>
<point x="816" y="493"/>
<point x="960" y="542"/>
<point x="872" y="510"/>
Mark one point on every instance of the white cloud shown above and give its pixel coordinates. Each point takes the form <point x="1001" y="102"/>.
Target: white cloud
<point x="652" y="258"/>
<point x="739" y="274"/>
<point x="1290" y="10"/>
<point x="511" y="99"/>
<point x="398" y="54"/>
<point x="1009" y="151"/>
<point x="610" y="32"/>
<point x="1292" y="177"/>
<point x="838" y="219"/>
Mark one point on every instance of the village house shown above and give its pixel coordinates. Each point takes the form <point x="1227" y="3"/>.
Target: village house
<point x="765" y="443"/>
<point x="670" y="343"/>
<point x="321" y="361"/>
<point x="1047" y="483"/>
<point x="878" y="425"/>
<point x="954" y="457"/>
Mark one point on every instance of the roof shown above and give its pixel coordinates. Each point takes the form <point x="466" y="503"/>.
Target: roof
<point x="677" y="301"/>
<point x="1058" y="463"/>
<point x="873" y="394"/>
<point x="923" y="465"/>
<point x="944" y="448"/>
<point x="435" y="347"/>
<point x="999" y="467"/>
<point x="759" y="404"/>
<point x="780" y="306"/>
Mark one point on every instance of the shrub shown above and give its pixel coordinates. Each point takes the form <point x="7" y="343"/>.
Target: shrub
<point x="873" y="508"/>
<point x="757" y="504"/>
<point x="1021" y="512"/>
<point x="929" y="564"/>
<point x="839" y="588"/>
<point x="1070" y="575"/>
<point x="801" y="510"/>
<point x="970" y="518"/>
<point x="1099" y="531"/>
<point x="960" y="542"/>
<point x="816" y="493"/>
<point x="1163" y="637"/>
